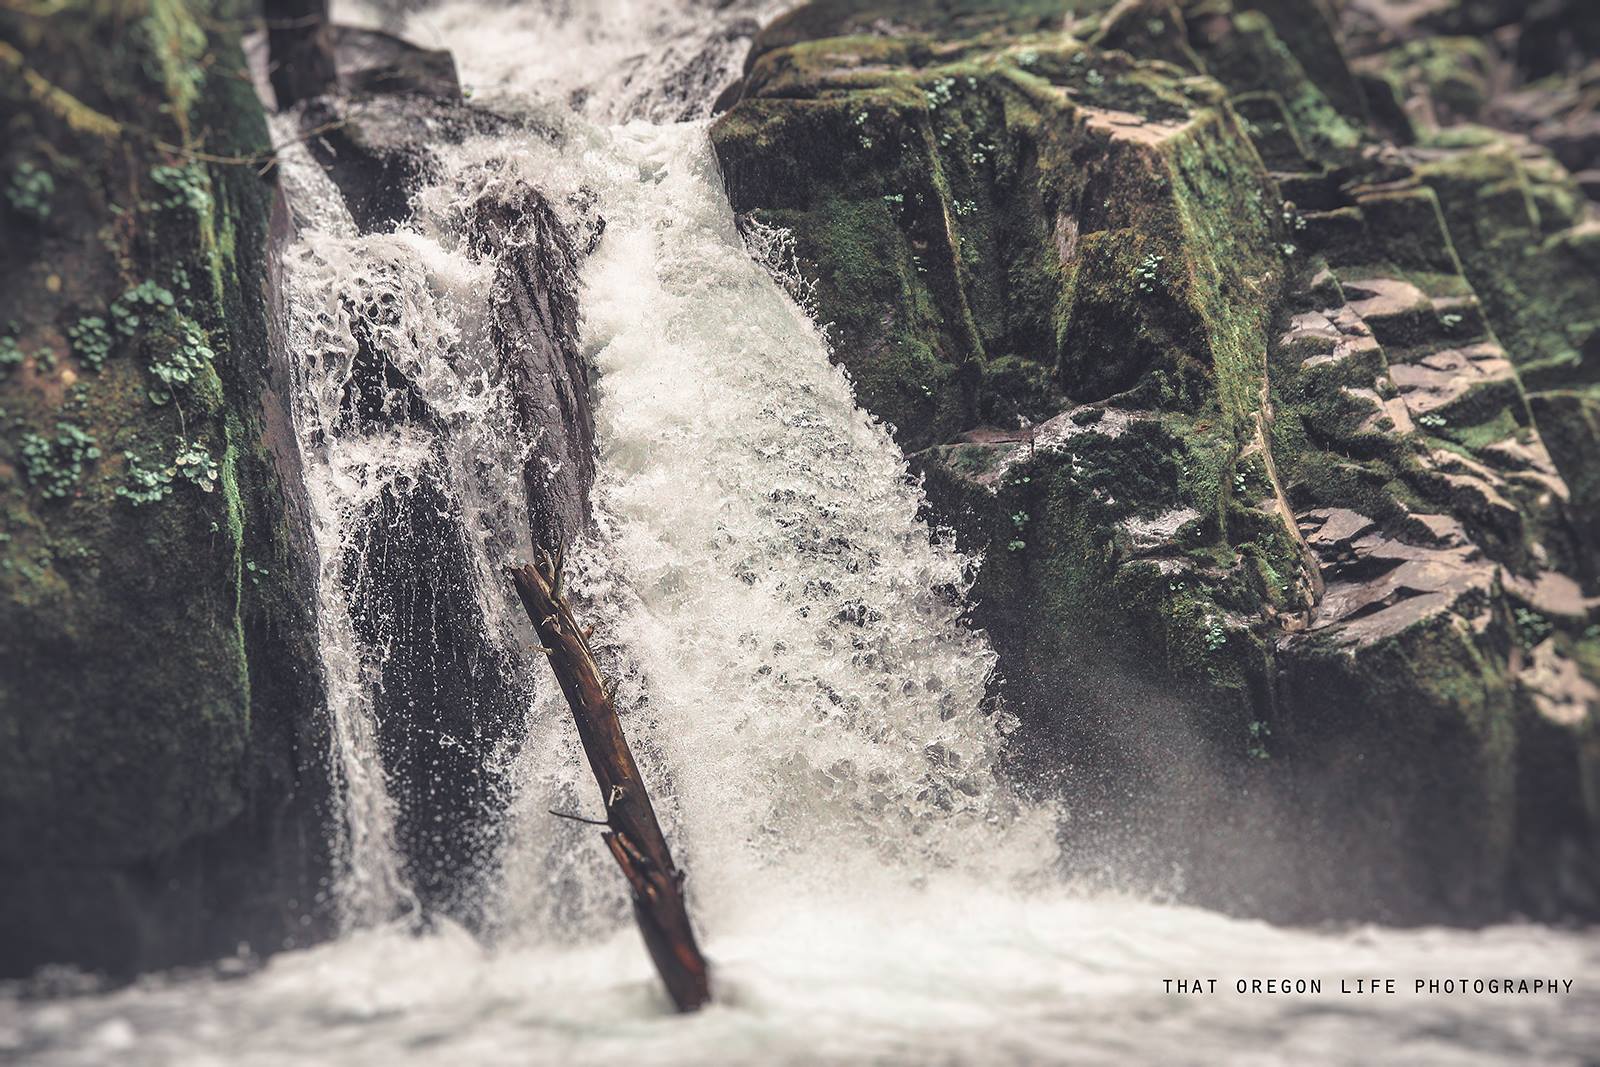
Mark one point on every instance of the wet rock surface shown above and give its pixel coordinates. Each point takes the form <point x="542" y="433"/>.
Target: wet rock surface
<point x="534" y="326"/>
<point x="163" y="784"/>
<point x="450" y="697"/>
<point x="1280" y="472"/>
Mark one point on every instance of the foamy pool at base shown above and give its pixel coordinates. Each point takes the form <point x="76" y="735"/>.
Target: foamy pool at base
<point x="955" y="974"/>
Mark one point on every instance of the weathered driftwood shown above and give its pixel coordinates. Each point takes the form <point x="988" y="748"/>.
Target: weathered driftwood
<point x="633" y="835"/>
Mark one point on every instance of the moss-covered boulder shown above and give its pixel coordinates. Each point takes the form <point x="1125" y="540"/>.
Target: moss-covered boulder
<point x="1286" y="583"/>
<point x="160" y="707"/>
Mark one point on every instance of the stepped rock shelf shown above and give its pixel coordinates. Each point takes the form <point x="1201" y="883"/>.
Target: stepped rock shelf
<point x="1247" y="342"/>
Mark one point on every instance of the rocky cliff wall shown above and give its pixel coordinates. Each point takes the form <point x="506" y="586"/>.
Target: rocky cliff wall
<point x="1256" y="373"/>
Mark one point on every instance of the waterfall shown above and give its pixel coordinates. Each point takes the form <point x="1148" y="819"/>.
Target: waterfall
<point x="786" y="634"/>
<point x="341" y="477"/>
<point x="784" y="631"/>
<point x="414" y="455"/>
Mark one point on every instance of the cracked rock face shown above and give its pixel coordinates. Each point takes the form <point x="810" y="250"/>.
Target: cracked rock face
<point x="1376" y="587"/>
<point x="1246" y="341"/>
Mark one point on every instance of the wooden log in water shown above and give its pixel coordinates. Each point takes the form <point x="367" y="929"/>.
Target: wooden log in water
<point x="633" y="835"/>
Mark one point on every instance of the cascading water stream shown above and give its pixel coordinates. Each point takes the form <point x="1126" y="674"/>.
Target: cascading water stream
<point x="791" y="658"/>
<point x="784" y="630"/>
<point x="368" y="884"/>
<point x="786" y="636"/>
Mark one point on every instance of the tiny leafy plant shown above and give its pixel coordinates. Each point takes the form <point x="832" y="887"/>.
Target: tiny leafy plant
<point x="144" y="484"/>
<point x="1532" y="627"/>
<point x="178" y="349"/>
<point x="10" y="354"/>
<point x="189" y="354"/>
<point x="141" y="306"/>
<point x="1256" y="745"/>
<point x="194" y="463"/>
<point x="148" y="483"/>
<point x="185" y="187"/>
<point x="30" y="192"/>
<point x="1432" y="420"/>
<point x="54" y="464"/>
<point x="91" y="341"/>
<point x="1019" y="522"/>
<point x="1215" y="636"/>
<point x="1147" y="274"/>
<point x="861" y="130"/>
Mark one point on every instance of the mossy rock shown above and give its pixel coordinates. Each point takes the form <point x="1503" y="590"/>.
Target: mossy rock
<point x="161" y="704"/>
<point x="1207" y="377"/>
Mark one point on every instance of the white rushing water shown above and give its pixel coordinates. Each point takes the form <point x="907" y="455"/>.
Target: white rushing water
<point x="805" y="703"/>
<point x="785" y="631"/>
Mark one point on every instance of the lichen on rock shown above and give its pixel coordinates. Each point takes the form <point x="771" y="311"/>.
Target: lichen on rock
<point x="160" y="701"/>
<point x="1253" y="379"/>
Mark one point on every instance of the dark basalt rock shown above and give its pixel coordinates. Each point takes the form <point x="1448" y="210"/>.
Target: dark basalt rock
<point x="300" y="42"/>
<point x="450" y="698"/>
<point x="374" y="136"/>
<point x="534" y="326"/>
<point x="370" y="147"/>
<point x="372" y="63"/>
<point x="1290" y="566"/>
<point x="162" y="777"/>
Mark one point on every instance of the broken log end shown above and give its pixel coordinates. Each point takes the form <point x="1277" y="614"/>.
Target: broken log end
<point x="634" y="835"/>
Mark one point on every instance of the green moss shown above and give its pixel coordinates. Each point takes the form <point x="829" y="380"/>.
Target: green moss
<point x="174" y="56"/>
<point x="1253" y="59"/>
<point x="154" y="693"/>
<point x="993" y="239"/>
<point x="1539" y="295"/>
<point x="1310" y="32"/>
<point x="1454" y="73"/>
